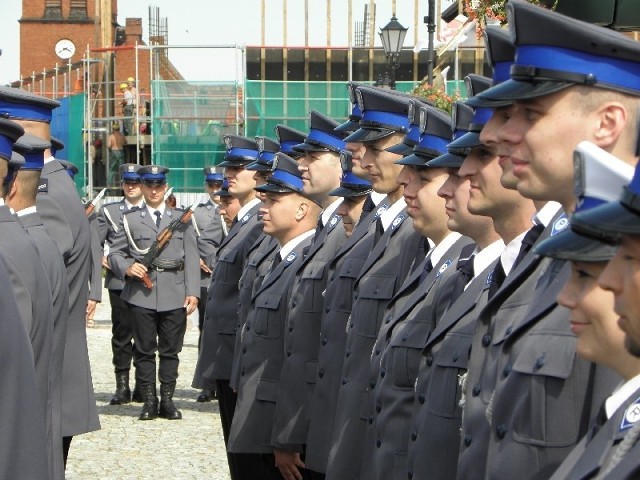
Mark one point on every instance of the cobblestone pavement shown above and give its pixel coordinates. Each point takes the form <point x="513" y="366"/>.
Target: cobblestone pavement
<point x="126" y="448"/>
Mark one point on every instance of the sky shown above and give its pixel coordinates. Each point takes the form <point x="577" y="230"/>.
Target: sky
<point x="200" y="22"/>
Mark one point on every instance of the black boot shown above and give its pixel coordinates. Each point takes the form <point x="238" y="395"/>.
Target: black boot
<point x="206" y="395"/>
<point x="150" y="407"/>
<point x="123" y="392"/>
<point x="167" y="409"/>
<point x="137" y="394"/>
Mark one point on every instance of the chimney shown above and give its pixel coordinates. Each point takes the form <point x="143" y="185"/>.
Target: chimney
<point x="133" y="30"/>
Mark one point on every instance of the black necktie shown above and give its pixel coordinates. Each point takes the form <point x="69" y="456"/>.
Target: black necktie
<point x="426" y="270"/>
<point x="158" y="216"/>
<point x="463" y="276"/>
<point x="379" y="230"/>
<point x="319" y="228"/>
<point x="234" y="221"/>
<point x="134" y="208"/>
<point x="599" y="421"/>
<point x="527" y="242"/>
<point x="368" y="205"/>
<point x="497" y="278"/>
<point x="276" y="261"/>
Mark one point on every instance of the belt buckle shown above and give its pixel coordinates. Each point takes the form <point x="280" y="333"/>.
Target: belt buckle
<point x="158" y="269"/>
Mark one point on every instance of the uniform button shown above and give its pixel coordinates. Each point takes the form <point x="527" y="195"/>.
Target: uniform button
<point x="421" y="398"/>
<point x="507" y="370"/>
<point x="378" y="443"/>
<point x="370" y="419"/>
<point x="501" y="431"/>
<point x="248" y="327"/>
<point x="347" y="353"/>
<point x="509" y="330"/>
<point x="288" y="354"/>
<point x="327" y="310"/>
<point x="372" y="385"/>
<point x="324" y="341"/>
<point x="486" y="340"/>
<point x="404" y="337"/>
<point x="456" y="357"/>
<point x="378" y="407"/>
<point x="345" y="380"/>
<point x="539" y="362"/>
<point x="476" y="390"/>
<point x="291" y="328"/>
<point x="293" y="304"/>
<point x="383" y="372"/>
<point x="350" y="324"/>
<point x="467" y="440"/>
<point x="429" y="360"/>
<point x="244" y="349"/>
<point x="321" y="373"/>
<point x="377" y="351"/>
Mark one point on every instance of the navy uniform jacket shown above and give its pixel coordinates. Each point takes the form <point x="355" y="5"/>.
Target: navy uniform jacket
<point x="338" y="298"/>
<point x="33" y="296"/>
<point x="262" y="357"/>
<point x="523" y="360"/>
<point x="208" y="225"/>
<point x="260" y="257"/>
<point x="57" y="276"/>
<point x="382" y="275"/>
<point x="301" y="338"/>
<point x="408" y="320"/>
<point x="171" y="286"/>
<point x="64" y="217"/>
<point x="596" y="447"/>
<point x="23" y="443"/>
<point x="433" y="434"/>
<point x="221" y="318"/>
<point x="109" y="220"/>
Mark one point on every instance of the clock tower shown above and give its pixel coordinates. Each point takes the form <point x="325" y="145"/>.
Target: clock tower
<point x="58" y="31"/>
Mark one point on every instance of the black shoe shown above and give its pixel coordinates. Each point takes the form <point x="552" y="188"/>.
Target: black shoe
<point x="150" y="407"/>
<point x="167" y="409"/>
<point x="137" y="395"/>
<point x="206" y="395"/>
<point x="123" y="392"/>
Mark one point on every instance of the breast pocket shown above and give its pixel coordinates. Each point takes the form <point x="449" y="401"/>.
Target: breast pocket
<point x="268" y="319"/>
<point x="347" y="276"/>
<point x="226" y="271"/>
<point x="374" y="292"/>
<point x="143" y="240"/>
<point x="311" y="286"/>
<point x="405" y="351"/>
<point x="551" y="413"/>
<point x="448" y="364"/>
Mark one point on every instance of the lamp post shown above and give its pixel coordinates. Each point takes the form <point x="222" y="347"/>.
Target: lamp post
<point x="392" y="36"/>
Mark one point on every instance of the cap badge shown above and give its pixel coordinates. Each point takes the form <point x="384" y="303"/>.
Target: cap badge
<point x="227" y="142"/>
<point x="412" y="112"/>
<point x="560" y="224"/>
<point x="260" y="143"/>
<point x="154" y="170"/>
<point x="131" y="169"/>
<point x="423" y="120"/>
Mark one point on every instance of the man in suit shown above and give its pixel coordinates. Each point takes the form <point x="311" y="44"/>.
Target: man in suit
<point x="381" y="275"/>
<point x="289" y="216"/>
<point x="213" y="369"/>
<point x="63" y="215"/>
<point x="321" y="173"/>
<point x="109" y="220"/>
<point x="207" y="214"/>
<point x="159" y="314"/>
<point x="523" y="339"/>
<point x="22" y="199"/>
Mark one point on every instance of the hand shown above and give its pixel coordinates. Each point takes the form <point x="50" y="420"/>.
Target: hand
<point x="288" y="463"/>
<point x="190" y="303"/>
<point x="136" y="270"/>
<point x="91" y="308"/>
<point x="105" y="263"/>
<point x="204" y="267"/>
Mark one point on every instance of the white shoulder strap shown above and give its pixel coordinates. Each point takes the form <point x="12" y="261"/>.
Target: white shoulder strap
<point x="110" y="220"/>
<point x="131" y="242"/>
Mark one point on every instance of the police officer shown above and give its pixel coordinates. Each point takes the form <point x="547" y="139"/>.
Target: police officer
<point x="159" y="313"/>
<point x="290" y="216"/>
<point x="109" y="220"/>
<point x="63" y="215"/>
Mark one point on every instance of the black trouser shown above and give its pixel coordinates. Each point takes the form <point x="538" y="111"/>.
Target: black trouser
<point x="313" y="475"/>
<point x="162" y="332"/>
<point x="227" y="399"/>
<point x="257" y="466"/>
<point x="121" y="333"/>
<point x="202" y="306"/>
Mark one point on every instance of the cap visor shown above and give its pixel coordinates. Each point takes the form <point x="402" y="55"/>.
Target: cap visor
<point x="468" y="140"/>
<point x="275" y="188"/>
<point x="607" y="221"/>
<point x="401" y="149"/>
<point x="448" y="160"/>
<point x="309" y="147"/>
<point x="414" y="160"/>
<point x="348" y="126"/>
<point x="258" y="167"/>
<point x="233" y="162"/>
<point x="365" y="135"/>
<point x="513" y="90"/>
<point x="569" y="245"/>
<point x="348" y="192"/>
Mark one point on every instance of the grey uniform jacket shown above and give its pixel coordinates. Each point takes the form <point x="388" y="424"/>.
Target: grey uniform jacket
<point x="302" y="337"/>
<point x="57" y="276"/>
<point x="409" y="319"/>
<point x="595" y="449"/>
<point x="32" y="292"/>
<point x="221" y="318"/>
<point x="343" y="271"/>
<point x="208" y="225"/>
<point x="260" y="257"/>
<point x="63" y="216"/>
<point x="171" y="286"/>
<point x="109" y="220"/>
<point x="381" y="276"/>
<point x="95" y="274"/>
<point x="23" y="444"/>
<point x="262" y="357"/>
<point x="433" y="434"/>
<point x="523" y="359"/>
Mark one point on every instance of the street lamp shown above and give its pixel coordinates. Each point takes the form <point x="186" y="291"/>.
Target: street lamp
<point x="392" y="36"/>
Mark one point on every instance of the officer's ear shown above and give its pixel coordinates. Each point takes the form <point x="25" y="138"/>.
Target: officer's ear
<point x="302" y="211"/>
<point x="613" y="121"/>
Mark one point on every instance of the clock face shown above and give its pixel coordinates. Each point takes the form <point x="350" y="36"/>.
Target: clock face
<point x="65" y="48"/>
